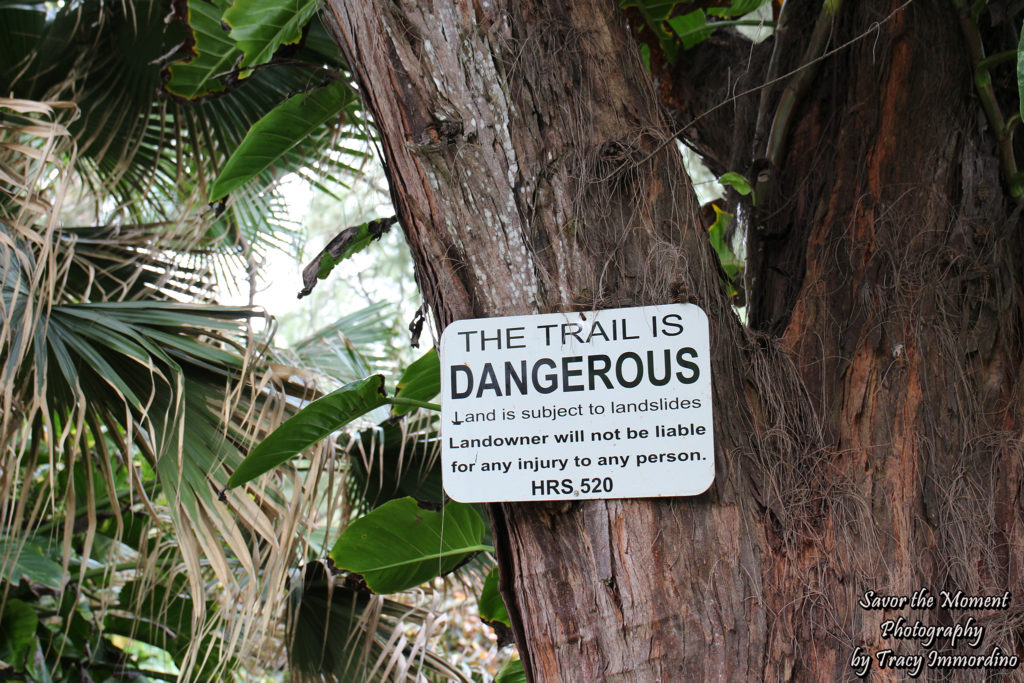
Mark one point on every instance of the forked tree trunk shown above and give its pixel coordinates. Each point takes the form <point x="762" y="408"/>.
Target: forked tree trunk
<point x="874" y="445"/>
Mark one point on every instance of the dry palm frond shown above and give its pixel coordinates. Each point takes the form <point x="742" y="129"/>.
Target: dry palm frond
<point x="125" y="399"/>
<point x="34" y="147"/>
<point x="105" y="372"/>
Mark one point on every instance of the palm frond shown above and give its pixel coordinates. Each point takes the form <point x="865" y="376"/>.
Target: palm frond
<point x="154" y="156"/>
<point x="126" y="398"/>
<point x="339" y="631"/>
<point x="33" y="147"/>
<point x="396" y="459"/>
<point x="120" y="400"/>
<point x="350" y="348"/>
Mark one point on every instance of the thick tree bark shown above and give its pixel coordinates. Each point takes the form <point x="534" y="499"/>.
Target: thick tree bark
<point x="893" y="275"/>
<point x="532" y="172"/>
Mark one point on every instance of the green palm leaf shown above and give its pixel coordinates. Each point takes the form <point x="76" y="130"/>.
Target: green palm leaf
<point x="394" y="460"/>
<point x="155" y="155"/>
<point x="350" y="348"/>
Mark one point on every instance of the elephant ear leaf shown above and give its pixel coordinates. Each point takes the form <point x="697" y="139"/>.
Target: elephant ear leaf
<point x="401" y="545"/>
<point x="346" y="243"/>
<point x="277" y="133"/>
<point x="311" y="424"/>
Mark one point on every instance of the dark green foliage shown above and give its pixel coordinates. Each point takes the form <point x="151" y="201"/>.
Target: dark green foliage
<point x="392" y="462"/>
<point x="340" y="631"/>
<point x="324" y="624"/>
<point x="401" y="545"/>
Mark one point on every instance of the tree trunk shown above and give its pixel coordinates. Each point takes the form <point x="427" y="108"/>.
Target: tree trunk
<point x="892" y="274"/>
<point x="865" y="440"/>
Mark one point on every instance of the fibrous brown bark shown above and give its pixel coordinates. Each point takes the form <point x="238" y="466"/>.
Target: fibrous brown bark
<point x="893" y="278"/>
<point x="876" y="448"/>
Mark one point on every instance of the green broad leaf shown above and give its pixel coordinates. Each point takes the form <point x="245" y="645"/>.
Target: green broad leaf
<point x="18" y="624"/>
<point x="1020" y="72"/>
<point x="401" y="545"/>
<point x="511" y="672"/>
<point x="259" y="27"/>
<point x="29" y="561"/>
<point x="736" y="181"/>
<point x="213" y="53"/>
<point x="490" y="604"/>
<point x="421" y="381"/>
<point x="277" y="133"/>
<point x="314" y="422"/>
<point x="692" y="28"/>
<point x="349" y="241"/>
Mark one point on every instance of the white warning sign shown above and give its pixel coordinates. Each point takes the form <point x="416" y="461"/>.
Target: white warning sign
<point x="600" y="404"/>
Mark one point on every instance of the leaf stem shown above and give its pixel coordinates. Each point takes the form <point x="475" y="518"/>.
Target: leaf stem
<point x="403" y="401"/>
<point x="996" y="59"/>
<point x="989" y="104"/>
